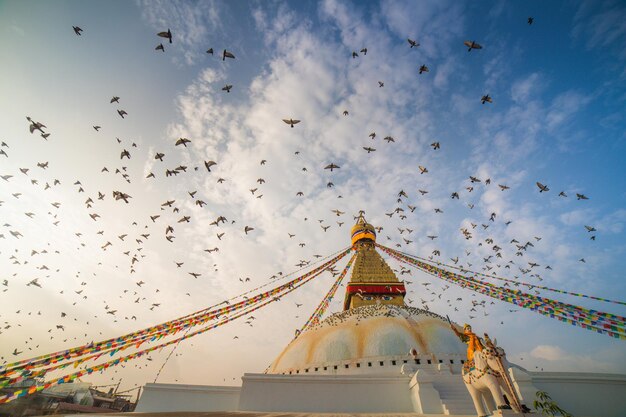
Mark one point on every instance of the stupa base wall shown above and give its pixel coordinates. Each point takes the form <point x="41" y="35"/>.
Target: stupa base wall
<point x="325" y="394"/>
<point x="584" y="394"/>
<point x="181" y="397"/>
<point x="428" y="392"/>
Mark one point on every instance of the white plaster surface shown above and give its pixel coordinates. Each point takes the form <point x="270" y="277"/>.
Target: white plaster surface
<point x="585" y="394"/>
<point x="345" y="394"/>
<point x="180" y="397"/>
<point x="442" y="393"/>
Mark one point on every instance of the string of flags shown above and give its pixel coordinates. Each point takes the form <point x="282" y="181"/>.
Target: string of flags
<point x="137" y="336"/>
<point x="136" y="339"/>
<point x="600" y="322"/>
<point x="323" y="306"/>
<point x="517" y="283"/>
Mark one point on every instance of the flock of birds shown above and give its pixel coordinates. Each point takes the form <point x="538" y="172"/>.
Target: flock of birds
<point x="513" y="258"/>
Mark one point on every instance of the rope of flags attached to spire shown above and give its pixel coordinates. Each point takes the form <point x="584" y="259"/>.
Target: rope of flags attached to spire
<point x="600" y="322"/>
<point x="518" y="283"/>
<point x="28" y="368"/>
<point x="137" y="336"/>
<point x="323" y="306"/>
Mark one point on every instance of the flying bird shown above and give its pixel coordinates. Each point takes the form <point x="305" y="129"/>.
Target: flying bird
<point x="423" y="68"/>
<point x="332" y="166"/>
<point x="182" y="141"/>
<point x="291" y="122"/>
<point x="413" y="43"/>
<point x="435" y="145"/>
<point x="248" y="229"/>
<point x="160" y="47"/>
<point x="581" y="197"/>
<point x="166" y="35"/>
<point x="227" y="88"/>
<point x="209" y="164"/>
<point x="77" y="30"/>
<point x="209" y="51"/>
<point x="368" y="149"/>
<point x="486" y="99"/>
<point x="542" y="187"/>
<point x="423" y="170"/>
<point x="115" y="99"/>
<point x="227" y="54"/>
<point x="530" y="20"/>
<point x="122" y="113"/>
<point x="472" y="45"/>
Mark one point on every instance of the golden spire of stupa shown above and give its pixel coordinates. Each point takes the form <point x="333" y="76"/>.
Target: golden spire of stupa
<point x="372" y="281"/>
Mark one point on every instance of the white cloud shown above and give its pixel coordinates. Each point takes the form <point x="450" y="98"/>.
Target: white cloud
<point x="547" y="352"/>
<point x="563" y="107"/>
<point x="526" y="88"/>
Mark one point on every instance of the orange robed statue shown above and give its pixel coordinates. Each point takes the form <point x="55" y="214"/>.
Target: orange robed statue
<point x="473" y="342"/>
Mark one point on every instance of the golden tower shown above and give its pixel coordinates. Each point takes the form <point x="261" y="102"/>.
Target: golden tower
<point x="372" y="280"/>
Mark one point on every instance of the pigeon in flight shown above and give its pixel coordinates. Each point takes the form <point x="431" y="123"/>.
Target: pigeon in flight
<point x="331" y="167"/>
<point x="413" y="43"/>
<point x="542" y="187"/>
<point x="472" y="45"/>
<point x="160" y="47"/>
<point x="182" y="141"/>
<point x="166" y="35"/>
<point x="486" y="99"/>
<point x="423" y="68"/>
<point x="209" y="164"/>
<point x="291" y="122"/>
<point x="227" y="88"/>
<point x="227" y="54"/>
<point x="77" y="30"/>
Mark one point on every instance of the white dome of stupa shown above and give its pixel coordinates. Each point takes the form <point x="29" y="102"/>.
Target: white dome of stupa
<point x="372" y="331"/>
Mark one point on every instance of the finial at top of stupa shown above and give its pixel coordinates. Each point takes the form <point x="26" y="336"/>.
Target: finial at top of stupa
<point x="362" y="230"/>
<point x="372" y="281"/>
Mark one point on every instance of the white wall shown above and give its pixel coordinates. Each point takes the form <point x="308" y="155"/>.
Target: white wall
<point x="180" y="397"/>
<point x="322" y="394"/>
<point x="584" y="394"/>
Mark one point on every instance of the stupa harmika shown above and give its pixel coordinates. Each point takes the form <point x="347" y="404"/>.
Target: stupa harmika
<point x="381" y="356"/>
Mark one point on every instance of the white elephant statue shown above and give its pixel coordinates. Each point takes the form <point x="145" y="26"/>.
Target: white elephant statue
<point x="485" y="383"/>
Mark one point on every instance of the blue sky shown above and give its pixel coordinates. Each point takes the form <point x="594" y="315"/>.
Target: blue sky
<point x="558" y="89"/>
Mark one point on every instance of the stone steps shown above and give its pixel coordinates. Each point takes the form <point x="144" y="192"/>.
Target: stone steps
<point x="454" y="395"/>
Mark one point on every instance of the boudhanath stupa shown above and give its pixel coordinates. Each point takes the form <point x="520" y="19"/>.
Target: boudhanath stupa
<point x="379" y="355"/>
